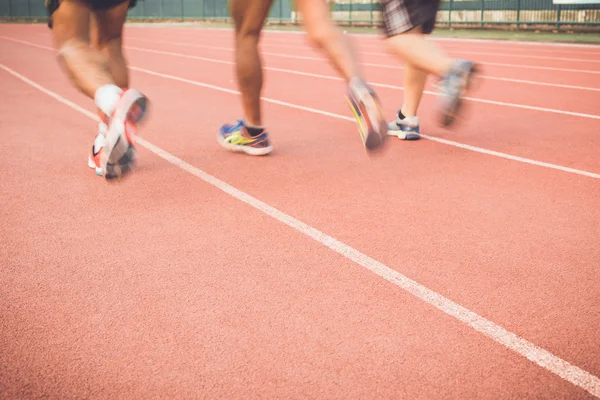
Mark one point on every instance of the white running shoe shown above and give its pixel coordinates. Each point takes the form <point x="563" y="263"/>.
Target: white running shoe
<point x="122" y="130"/>
<point x="96" y="158"/>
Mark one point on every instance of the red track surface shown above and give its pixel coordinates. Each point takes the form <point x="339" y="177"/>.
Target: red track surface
<point x="165" y="286"/>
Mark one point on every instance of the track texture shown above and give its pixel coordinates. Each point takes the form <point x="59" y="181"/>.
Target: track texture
<point x="163" y="286"/>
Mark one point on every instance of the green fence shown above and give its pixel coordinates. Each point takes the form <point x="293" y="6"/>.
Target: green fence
<point x="467" y="13"/>
<point x="481" y="13"/>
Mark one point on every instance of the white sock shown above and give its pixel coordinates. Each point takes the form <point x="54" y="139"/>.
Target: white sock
<point x="107" y="97"/>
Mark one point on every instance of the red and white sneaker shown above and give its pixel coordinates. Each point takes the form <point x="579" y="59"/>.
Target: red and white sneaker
<point x="119" y="152"/>
<point x="97" y="156"/>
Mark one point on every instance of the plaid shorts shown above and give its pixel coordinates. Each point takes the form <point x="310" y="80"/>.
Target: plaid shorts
<point x="400" y="16"/>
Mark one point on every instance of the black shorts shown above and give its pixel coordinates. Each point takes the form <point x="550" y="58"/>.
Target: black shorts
<point x="400" y="16"/>
<point x="52" y="5"/>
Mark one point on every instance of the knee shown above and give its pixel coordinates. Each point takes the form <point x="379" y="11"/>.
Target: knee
<point x="247" y="38"/>
<point x="110" y="48"/>
<point x="113" y="49"/>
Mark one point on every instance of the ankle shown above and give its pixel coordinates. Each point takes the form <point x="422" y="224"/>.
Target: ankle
<point x="254" y="130"/>
<point x="402" y="114"/>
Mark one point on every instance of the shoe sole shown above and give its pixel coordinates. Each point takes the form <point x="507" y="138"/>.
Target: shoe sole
<point x="124" y="166"/>
<point x="404" y="135"/>
<point x="93" y="165"/>
<point x="394" y="130"/>
<point x="133" y="107"/>
<point x="253" y="151"/>
<point x="374" y="138"/>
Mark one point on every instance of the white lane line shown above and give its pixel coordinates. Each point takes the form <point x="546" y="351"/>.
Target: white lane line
<point x="375" y="84"/>
<point x="523" y="347"/>
<point x="478" y="50"/>
<point x="375" y="35"/>
<point x="383" y="53"/>
<point x="308" y="74"/>
<point x="528" y="82"/>
<point x="343" y="117"/>
<point x="39" y="46"/>
<point x="387" y="66"/>
<point x="520" y="42"/>
<point x="346" y="118"/>
<point x="375" y="65"/>
<point x="392" y="66"/>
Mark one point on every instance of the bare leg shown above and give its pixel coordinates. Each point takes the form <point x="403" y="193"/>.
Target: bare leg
<point x="423" y="54"/>
<point x="85" y="66"/>
<point x="107" y="33"/>
<point x="106" y="28"/>
<point x="249" y="17"/>
<point x="414" y="84"/>
<point x="326" y="36"/>
<point x="91" y="71"/>
<point x="362" y="98"/>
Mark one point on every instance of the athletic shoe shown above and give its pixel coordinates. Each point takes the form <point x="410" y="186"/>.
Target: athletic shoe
<point x="97" y="156"/>
<point x="122" y="130"/>
<point x="236" y="138"/>
<point x="366" y="107"/>
<point x="453" y="85"/>
<point x="405" y="129"/>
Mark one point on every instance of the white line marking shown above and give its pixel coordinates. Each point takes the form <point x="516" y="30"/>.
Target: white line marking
<point x="39" y="46"/>
<point x="382" y="53"/>
<point x="231" y="91"/>
<point x="538" y="355"/>
<point x="388" y="66"/>
<point x="557" y="85"/>
<point x="582" y="71"/>
<point x="511" y="157"/>
<point x="523" y="81"/>
<point x="377" y="65"/>
<point x="474" y="99"/>
<point x="282" y="43"/>
<point x="520" y="42"/>
<point x="342" y="117"/>
<point x="553" y="58"/>
<point x="479" y="50"/>
<point x="376" y="35"/>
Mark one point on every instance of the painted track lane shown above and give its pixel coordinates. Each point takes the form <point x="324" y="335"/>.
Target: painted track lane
<point x="496" y="253"/>
<point x="303" y="55"/>
<point x="537" y="135"/>
<point x="570" y="98"/>
<point x="547" y="139"/>
<point x="535" y="91"/>
<point x="589" y="50"/>
<point x="298" y="43"/>
<point x="300" y="53"/>
<point x="166" y="315"/>
<point x="302" y="150"/>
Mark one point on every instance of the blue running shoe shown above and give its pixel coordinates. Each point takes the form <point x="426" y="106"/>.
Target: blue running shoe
<point x="453" y="86"/>
<point x="366" y="107"/>
<point x="405" y="129"/>
<point x="236" y="138"/>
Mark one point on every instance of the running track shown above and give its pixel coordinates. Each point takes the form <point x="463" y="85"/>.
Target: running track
<point x="464" y="265"/>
